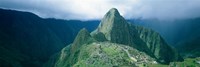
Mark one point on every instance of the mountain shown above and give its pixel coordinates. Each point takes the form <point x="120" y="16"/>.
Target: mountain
<point x="189" y="45"/>
<point x="183" y="34"/>
<point x="115" y="42"/>
<point x="112" y="26"/>
<point x="117" y="30"/>
<point x="27" y="40"/>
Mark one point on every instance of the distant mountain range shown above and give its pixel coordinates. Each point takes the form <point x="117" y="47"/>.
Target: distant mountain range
<point x="28" y="40"/>
<point x="183" y="34"/>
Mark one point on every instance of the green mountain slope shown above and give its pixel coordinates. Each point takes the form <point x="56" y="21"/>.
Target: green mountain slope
<point x="26" y="36"/>
<point x="115" y="43"/>
<point x="117" y="30"/>
<point x="90" y="53"/>
<point x="183" y="34"/>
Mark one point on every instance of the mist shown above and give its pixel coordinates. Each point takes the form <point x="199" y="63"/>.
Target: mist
<point x="95" y="9"/>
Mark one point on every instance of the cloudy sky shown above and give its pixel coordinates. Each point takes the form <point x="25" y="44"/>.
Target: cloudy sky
<point x="95" y="9"/>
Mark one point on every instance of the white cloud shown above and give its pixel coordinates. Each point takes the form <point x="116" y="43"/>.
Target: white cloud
<point x="95" y="9"/>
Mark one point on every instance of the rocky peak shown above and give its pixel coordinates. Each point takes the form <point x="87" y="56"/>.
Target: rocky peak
<point x="112" y="21"/>
<point x="112" y="13"/>
<point x="82" y="37"/>
<point x="117" y="30"/>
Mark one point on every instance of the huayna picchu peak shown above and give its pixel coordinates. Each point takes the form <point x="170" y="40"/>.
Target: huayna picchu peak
<point x="115" y="42"/>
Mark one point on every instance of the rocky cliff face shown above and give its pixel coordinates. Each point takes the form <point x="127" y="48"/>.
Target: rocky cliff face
<point x="117" y="30"/>
<point x="116" y="43"/>
<point x="160" y="49"/>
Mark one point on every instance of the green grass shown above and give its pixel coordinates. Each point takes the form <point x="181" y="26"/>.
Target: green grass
<point x="188" y="62"/>
<point x="111" y="51"/>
